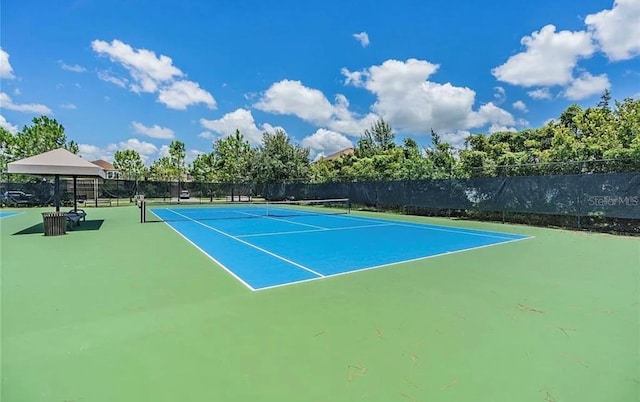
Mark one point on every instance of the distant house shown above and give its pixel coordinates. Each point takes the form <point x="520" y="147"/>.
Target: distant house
<point x="336" y="155"/>
<point x="109" y="169"/>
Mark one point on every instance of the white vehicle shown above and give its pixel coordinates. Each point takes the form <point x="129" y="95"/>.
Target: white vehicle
<point x="184" y="194"/>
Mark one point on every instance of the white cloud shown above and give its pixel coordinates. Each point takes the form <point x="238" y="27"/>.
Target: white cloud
<point x="291" y="97"/>
<point x="8" y="126"/>
<point x="147" y="69"/>
<point x="520" y="105"/>
<point x="404" y="97"/>
<point x="108" y="77"/>
<point x="182" y="94"/>
<point x="7" y="103"/>
<point x="499" y="94"/>
<point x="311" y="105"/>
<point x="17" y="91"/>
<point x="587" y="85"/>
<point x="347" y="122"/>
<point x="495" y="128"/>
<point x="325" y="142"/>
<point x="549" y="58"/>
<point x="410" y="102"/>
<point x="192" y="154"/>
<point x="363" y="38"/>
<point x="250" y="96"/>
<point x="75" y="68"/>
<point x="240" y="119"/>
<point x="163" y="151"/>
<point x="6" y="71"/>
<point x="154" y="131"/>
<point x="145" y="149"/>
<point x="92" y="153"/>
<point x="148" y="152"/>
<point x="489" y="113"/>
<point x="355" y="78"/>
<point x="617" y="30"/>
<point x="540" y="93"/>
<point x="207" y="134"/>
<point x="152" y="74"/>
<point x="455" y="139"/>
<point x="69" y="106"/>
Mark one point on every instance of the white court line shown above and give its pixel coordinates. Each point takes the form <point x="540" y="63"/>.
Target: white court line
<point x="424" y="226"/>
<point x="295" y="223"/>
<point x="393" y="263"/>
<point x="314" y="231"/>
<point x="250" y="245"/>
<point x="212" y="258"/>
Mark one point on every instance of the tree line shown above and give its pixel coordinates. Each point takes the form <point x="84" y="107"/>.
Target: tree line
<point x="601" y="138"/>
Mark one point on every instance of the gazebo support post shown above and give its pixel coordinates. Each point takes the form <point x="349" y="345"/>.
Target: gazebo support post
<point x="57" y="192"/>
<point x="75" y="194"/>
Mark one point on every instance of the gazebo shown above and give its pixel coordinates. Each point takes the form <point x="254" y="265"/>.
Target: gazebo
<point x="57" y="163"/>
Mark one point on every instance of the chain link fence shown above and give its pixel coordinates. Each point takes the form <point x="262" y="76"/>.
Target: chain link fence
<point x="579" y="195"/>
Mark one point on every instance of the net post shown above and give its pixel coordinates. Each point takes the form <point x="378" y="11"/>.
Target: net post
<point x="142" y="211"/>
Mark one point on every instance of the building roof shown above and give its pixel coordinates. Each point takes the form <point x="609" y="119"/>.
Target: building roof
<point x="104" y="164"/>
<point x="336" y="155"/>
<point x="57" y="162"/>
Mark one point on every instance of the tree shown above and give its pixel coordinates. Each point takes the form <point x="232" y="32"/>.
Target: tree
<point x="232" y="157"/>
<point x="415" y="166"/>
<point x="441" y="156"/>
<point x="323" y="171"/>
<point x="202" y="168"/>
<point x="278" y="160"/>
<point x="129" y="164"/>
<point x="44" y="135"/>
<point x="377" y="139"/>
<point x="569" y="117"/>
<point x="161" y="170"/>
<point x="7" y="143"/>
<point x="176" y="159"/>
<point x="627" y="121"/>
<point x="73" y="147"/>
<point x="605" y="99"/>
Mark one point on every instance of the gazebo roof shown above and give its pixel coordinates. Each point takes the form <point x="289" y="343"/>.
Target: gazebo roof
<point x="57" y="162"/>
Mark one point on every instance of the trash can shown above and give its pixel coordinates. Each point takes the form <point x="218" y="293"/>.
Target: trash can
<point x="55" y="223"/>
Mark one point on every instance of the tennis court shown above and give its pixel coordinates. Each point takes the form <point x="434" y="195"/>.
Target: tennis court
<point x="4" y="214"/>
<point x="124" y="311"/>
<point x="302" y="241"/>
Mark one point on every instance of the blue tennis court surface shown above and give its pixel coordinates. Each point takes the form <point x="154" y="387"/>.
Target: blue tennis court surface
<point x="4" y="214"/>
<point x="269" y="251"/>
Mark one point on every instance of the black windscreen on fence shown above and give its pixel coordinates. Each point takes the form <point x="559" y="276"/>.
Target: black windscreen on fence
<point x="606" y="195"/>
<point x="614" y="195"/>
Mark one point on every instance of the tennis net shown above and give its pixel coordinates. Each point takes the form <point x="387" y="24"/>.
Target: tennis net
<point x="162" y="211"/>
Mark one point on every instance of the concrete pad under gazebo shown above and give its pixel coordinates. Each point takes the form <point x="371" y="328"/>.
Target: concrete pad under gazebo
<point x="59" y="162"/>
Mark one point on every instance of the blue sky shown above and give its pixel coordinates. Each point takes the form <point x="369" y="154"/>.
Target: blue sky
<point x="138" y="74"/>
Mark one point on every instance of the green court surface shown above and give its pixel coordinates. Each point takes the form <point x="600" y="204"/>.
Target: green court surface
<point x="123" y="311"/>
